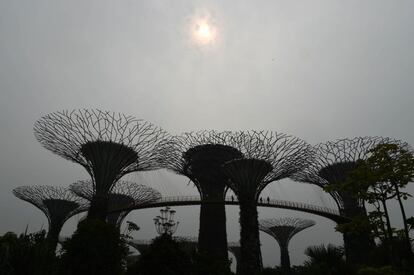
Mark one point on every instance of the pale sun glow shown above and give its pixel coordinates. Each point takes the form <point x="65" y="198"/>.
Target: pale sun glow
<point x="204" y="33"/>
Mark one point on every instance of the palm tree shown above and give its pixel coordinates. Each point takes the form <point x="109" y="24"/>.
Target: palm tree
<point x="327" y="260"/>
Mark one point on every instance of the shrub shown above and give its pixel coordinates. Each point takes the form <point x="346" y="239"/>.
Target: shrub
<point x="26" y="254"/>
<point x="164" y="256"/>
<point x="95" y="248"/>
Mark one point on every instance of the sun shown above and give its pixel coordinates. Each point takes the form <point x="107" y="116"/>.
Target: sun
<point x="204" y="32"/>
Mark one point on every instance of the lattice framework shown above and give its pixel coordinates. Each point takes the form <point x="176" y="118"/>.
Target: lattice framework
<point x="285" y="154"/>
<point x="199" y="155"/>
<point x="124" y="194"/>
<point x="70" y="134"/>
<point x="281" y="155"/>
<point x="283" y="229"/>
<point x="57" y="203"/>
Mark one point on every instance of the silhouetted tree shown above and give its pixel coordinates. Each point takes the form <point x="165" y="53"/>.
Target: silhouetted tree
<point x="333" y="162"/>
<point x="379" y="178"/>
<point x="108" y="145"/>
<point x="283" y="229"/>
<point x="267" y="157"/>
<point x="26" y="254"/>
<point x="123" y="195"/>
<point x="57" y="203"/>
<point x="393" y="164"/>
<point x="327" y="260"/>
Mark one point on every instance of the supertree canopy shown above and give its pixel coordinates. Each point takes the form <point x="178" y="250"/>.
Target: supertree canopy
<point x="122" y="195"/>
<point x="199" y="156"/>
<point x="333" y="162"/>
<point x="268" y="157"/>
<point x="57" y="203"/>
<point x="283" y="229"/>
<point x="108" y="145"/>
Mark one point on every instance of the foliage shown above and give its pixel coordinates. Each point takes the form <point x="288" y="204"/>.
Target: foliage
<point x="164" y="256"/>
<point x="325" y="260"/>
<point x="410" y="222"/>
<point x="208" y="264"/>
<point x="26" y="254"/>
<point x="385" y="270"/>
<point x="376" y="180"/>
<point x="131" y="226"/>
<point x="271" y="271"/>
<point x="392" y="163"/>
<point x="380" y="255"/>
<point x="357" y="225"/>
<point x="95" y="248"/>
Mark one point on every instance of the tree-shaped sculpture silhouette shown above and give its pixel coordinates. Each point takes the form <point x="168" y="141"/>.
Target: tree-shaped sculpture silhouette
<point x="57" y="203"/>
<point x="199" y="156"/>
<point x="283" y="229"/>
<point x="268" y="157"/>
<point x="124" y="194"/>
<point x="333" y="162"/>
<point x="108" y="145"/>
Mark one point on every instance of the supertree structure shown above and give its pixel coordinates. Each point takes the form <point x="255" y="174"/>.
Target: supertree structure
<point x="333" y="162"/>
<point x="57" y="203"/>
<point x="268" y="156"/>
<point x="108" y="145"/>
<point x="122" y="195"/>
<point x="283" y="229"/>
<point x="199" y="156"/>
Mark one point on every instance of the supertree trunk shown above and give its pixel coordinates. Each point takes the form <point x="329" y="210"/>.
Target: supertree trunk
<point x="251" y="257"/>
<point x="284" y="259"/>
<point x="107" y="160"/>
<point x="357" y="245"/>
<point x="213" y="223"/>
<point x="199" y="156"/>
<point x="203" y="165"/>
<point x="116" y="219"/>
<point x="99" y="207"/>
<point x="52" y="236"/>
<point x="245" y="176"/>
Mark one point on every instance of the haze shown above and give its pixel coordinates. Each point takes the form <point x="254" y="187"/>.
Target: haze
<point x="319" y="70"/>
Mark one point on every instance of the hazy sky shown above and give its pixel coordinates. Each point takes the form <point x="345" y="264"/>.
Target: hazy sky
<point x="319" y="70"/>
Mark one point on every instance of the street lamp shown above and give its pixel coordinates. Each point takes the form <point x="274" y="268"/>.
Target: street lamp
<point x="165" y="224"/>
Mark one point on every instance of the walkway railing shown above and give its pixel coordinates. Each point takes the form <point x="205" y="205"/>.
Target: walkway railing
<point x="264" y="202"/>
<point x="138" y="242"/>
